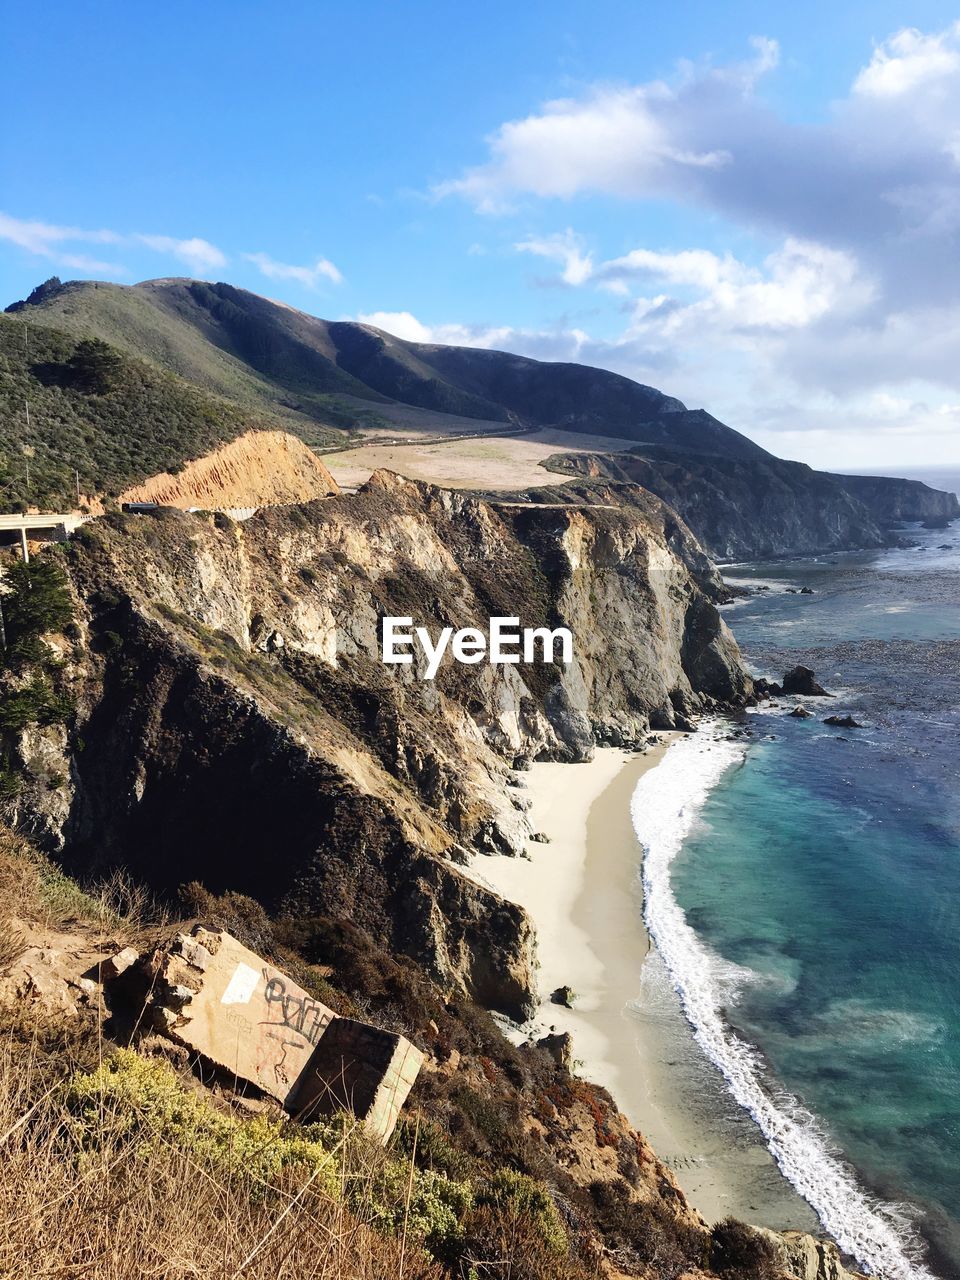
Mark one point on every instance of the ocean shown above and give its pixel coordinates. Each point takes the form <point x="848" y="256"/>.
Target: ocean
<point x="802" y="884"/>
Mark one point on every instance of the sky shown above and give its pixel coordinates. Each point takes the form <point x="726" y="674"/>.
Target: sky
<point x="754" y="208"/>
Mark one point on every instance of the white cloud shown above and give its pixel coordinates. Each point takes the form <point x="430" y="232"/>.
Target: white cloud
<point x="199" y="255"/>
<point x="405" y="325"/>
<point x="48" y="240"/>
<point x="614" y="140"/>
<point x="851" y="324"/>
<point x="402" y="324"/>
<point x="907" y="60"/>
<point x="794" y="287"/>
<point x="565" y="248"/>
<point x="309" y="276"/>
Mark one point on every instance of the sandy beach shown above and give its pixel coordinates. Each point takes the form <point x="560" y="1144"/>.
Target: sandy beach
<point x="583" y="894"/>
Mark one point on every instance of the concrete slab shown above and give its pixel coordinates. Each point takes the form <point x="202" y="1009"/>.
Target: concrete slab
<point x="218" y="998"/>
<point x="362" y="1069"/>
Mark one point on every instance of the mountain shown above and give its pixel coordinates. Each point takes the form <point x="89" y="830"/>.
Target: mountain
<point x="85" y="412"/>
<point x="203" y="362"/>
<point x="269" y="356"/>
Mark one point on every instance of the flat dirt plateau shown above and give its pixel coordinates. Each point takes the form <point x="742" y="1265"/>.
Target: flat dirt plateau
<point x="509" y="461"/>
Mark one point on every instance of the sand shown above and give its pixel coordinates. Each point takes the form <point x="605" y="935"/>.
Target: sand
<point x="582" y="892"/>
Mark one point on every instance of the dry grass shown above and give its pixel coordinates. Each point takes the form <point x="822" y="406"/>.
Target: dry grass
<point x="486" y="462"/>
<point x="114" y="1207"/>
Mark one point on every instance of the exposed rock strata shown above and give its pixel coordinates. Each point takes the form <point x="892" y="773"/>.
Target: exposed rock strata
<point x="761" y="506"/>
<point x="237" y="726"/>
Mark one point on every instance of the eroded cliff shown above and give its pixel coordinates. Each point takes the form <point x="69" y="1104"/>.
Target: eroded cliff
<point x="743" y="508"/>
<point x="259" y="469"/>
<point x="235" y="723"/>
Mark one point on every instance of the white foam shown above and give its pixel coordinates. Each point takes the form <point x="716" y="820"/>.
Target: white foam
<point x="665" y="807"/>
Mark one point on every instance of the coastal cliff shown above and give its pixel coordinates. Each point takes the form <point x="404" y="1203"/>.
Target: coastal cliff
<point x="235" y="723"/>
<point x="236" y="744"/>
<point x="745" y="508"/>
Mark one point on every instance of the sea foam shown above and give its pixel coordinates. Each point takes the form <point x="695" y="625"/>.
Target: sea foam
<point x="665" y="807"/>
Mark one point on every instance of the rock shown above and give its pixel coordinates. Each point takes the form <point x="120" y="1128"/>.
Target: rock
<point x="560" y="1049"/>
<point x="118" y="963"/>
<point x="801" y="680"/>
<point x="801" y="713"/>
<point x="540" y="837"/>
<point x="806" y="591"/>
<point x="843" y="722"/>
<point x="563" y="995"/>
<point x="804" y="1257"/>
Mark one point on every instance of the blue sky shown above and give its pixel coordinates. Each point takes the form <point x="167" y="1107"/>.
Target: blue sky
<point x="755" y="209"/>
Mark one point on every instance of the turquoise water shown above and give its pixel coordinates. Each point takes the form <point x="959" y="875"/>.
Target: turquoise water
<point x="827" y="864"/>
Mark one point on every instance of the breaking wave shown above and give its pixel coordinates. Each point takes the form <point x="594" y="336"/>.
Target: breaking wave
<point x="666" y="804"/>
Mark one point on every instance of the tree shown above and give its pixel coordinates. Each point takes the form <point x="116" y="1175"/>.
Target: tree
<point x="96" y="367"/>
<point x="36" y="600"/>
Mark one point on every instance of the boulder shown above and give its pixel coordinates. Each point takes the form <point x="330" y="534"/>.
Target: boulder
<point x="563" y="995"/>
<point x="801" y="681"/>
<point x="118" y="963"/>
<point x="217" y="998"/>
<point x="804" y="1257"/>
<point x="801" y="713"/>
<point x="560" y="1049"/>
<point x="843" y="722"/>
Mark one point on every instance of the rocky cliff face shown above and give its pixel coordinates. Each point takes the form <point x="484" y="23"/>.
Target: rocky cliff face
<point x="890" y="500"/>
<point x="763" y="506"/>
<point x="237" y="726"/>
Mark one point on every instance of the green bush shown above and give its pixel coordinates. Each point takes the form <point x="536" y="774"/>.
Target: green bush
<point x="145" y="1101"/>
<point x="36" y="601"/>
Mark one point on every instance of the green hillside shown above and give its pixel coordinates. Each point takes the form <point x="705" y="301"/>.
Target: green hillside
<point x="95" y="409"/>
<point x="268" y="356"/>
<point x="251" y="354"/>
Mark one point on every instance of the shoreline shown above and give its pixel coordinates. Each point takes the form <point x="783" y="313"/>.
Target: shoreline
<point x="582" y="891"/>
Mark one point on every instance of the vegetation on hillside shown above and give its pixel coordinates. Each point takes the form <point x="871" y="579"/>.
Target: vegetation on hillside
<point x="34" y="601"/>
<point x="198" y="332"/>
<point x="71" y="406"/>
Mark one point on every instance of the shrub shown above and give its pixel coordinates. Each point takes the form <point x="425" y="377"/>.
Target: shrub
<point x="741" y="1253"/>
<point x="148" y="1105"/>
<point x="521" y="1196"/>
<point x="36" y="601"/>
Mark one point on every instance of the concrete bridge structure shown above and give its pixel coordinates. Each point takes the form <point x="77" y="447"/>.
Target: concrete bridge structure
<point x="42" y="527"/>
